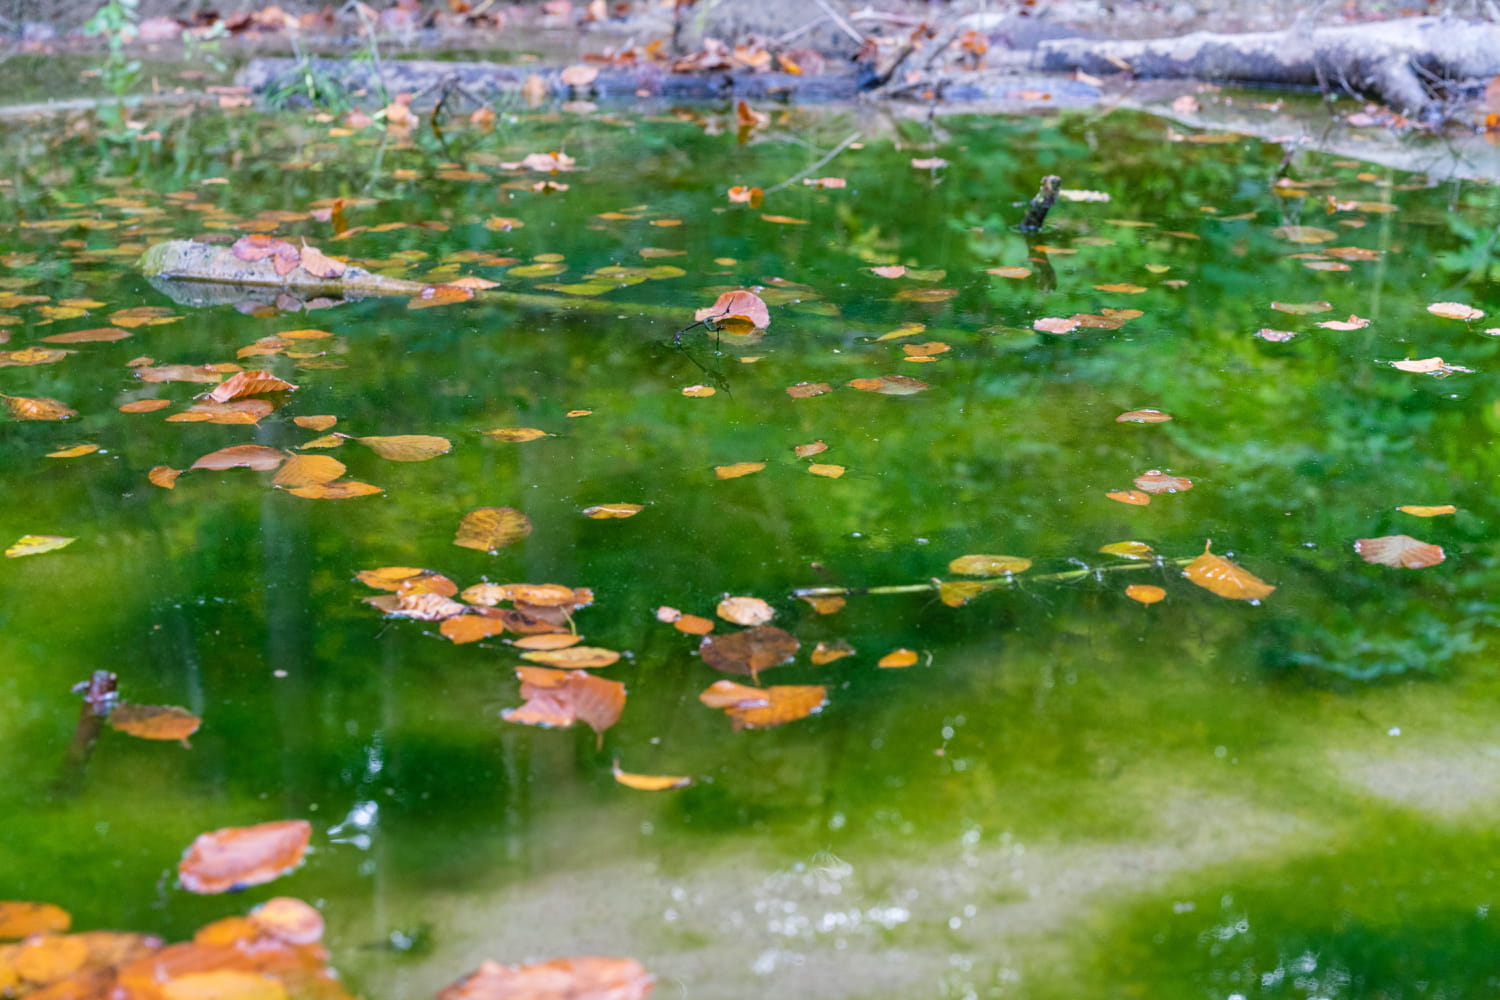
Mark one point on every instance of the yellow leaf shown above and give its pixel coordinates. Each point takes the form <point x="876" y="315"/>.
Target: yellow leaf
<point x="605" y="511"/>
<point x="31" y="545"/>
<point x="738" y="469"/>
<point x="1220" y="576"/>
<point x="74" y="452"/>
<point x="515" y="435"/>
<point x="1417" y="510"/>
<point x="490" y="529"/>
<point x="984" y="565"/>
<point x="650" y="782"/>
<point x="407" y="447"/>
<point x="897" y="658"/>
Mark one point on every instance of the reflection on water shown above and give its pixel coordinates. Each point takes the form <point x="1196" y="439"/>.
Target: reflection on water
<point x="1069" y="792"/>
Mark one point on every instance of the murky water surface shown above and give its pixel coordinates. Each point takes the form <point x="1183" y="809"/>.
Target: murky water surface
<point x="1069" y="794"/>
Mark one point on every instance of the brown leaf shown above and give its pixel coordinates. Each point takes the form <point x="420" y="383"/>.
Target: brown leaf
<point x="164" y="476"/>
<point x="318" y="264"/>
<point x="343" y="490"/>
<point x="242" y="456"/>
<point x="607" y="511"/>
<point x="805" y="390"/>
<point x="650" y="782"/>
<point x="583" y="978"/>
<point x="27" y="356"/>
<point x="1134" y="497"/>
<point x="558" y="698"/>
<point x="825" y="604"/>
<point x="742" y="305"/>
<point x="1156" y="481"/>
<point x="154" y="722"/>
<point x="1450" y="310"/>
<point x="408" y="447"/>
<point x="1146" y="416"/>
<point x="890" y="385"/>
<point x="144" y="405"/>
<point x="749" y="651"/>
<point x="180" y="373"/>
<point x="1222" y="577"/>
<point x="827" y="652"/>
<point x="420" y="606"/>
<point x="515" y="435"/>
<point x="309" y="470"/>
<point x="1399" y="550"/>
<point x="957" y="593"/>
<point x="470" y="628"/>
<point x="439" y="295"/>
<point x="490" y="529"/>
<point x="826" y="471"/>
<point x="762" y="708"/>
<point x="237" y="412"/>
<point x="238" y="857"/>
<point x="243" y="384"/>
<point x="553" y="640"/>
<point x="745" y="610"/>
<point x="97" y="335"/>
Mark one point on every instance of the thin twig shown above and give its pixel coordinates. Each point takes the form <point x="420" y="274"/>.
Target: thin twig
<point x="994" y="582"/>
<point x="838" y="19"/>
<point x="850" y="140"/>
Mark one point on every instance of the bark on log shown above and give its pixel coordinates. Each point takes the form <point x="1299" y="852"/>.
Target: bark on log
<point x="1406" y="64"/>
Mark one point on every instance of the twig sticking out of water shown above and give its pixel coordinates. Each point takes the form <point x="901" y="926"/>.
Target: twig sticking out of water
<point x="1046" y="196"/>
<point x="99" y="697"/>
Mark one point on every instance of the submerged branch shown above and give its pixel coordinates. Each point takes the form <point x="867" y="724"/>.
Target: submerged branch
<point x="99" y="698"/>
<point x="994" y="582"/>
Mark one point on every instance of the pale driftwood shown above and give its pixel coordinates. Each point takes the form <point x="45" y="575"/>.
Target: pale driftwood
<point x="1413" y="65"/>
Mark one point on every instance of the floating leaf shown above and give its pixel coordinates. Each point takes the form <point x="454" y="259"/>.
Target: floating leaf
<point x="649" y="782"/>
<point x="1124" y="288"/>
<point x="1448" y="310"/>
<point x="1156" y="481"/>
<point x="390" y="577"/>
<point x="77" y="451"/>
<point x="957" y="593"/>
<point x="408" y="447"/>
<point x="742" y="305"/>
<point x="1304" y="234"/>
<point x="825" y="604"/>
<point x="318" y="264"/>
<point x="785" y="220"/>
<point x="1344" y="325"/>
<point x="1054" y="324"/>
<point x="606" y="511"/>
<point x="470" y="628"/>
<point x="239" y="411"/>
<point x="826" y="471"/>
<point x="573" y="657"/>
<point x="243" y="384"/>
<point x="515" y="435"/>
<point x="1222" y="577"/>
<point x="32" y="545"/>
<point x="558" y="698"/>
<point x="37" y="408"/>
<point x="236" y="858"/>
<point x="1146" y="416"/>
<point x="985" y="565"/>
<point x="745" y="610"/>
<point x="889" y="271"/>
<point x="1127" y="550"/>
<point x="699" y="391"/>
<point x="1010" y="271"/>
<point x="750" y="651"/>
<point x="242" y="456"/>
<point x="805" y="390"/>
<point x="1417" y="510"/>
<point x="890" y="385"/>
<point x="924" y="294"/>
<point x="289" y="920"/>
<point x="584" y="978"/>
<point x="927" y="350"/>
<point x="827" y="652"/>
<point x="490" y="529"/>
<point x="1301" y="308"/>
<point x="442" y="295"/>
<point x="180" y="373"/>
<point x="20" y="919"/>
<point x="154" y="722"/>
<point x="27" y="356"/>
<point x="419" y="606"/>
<point x="809" y="450"/>
<point x="1275" y="336"/>
<point x="693" y="624"/>
<point x="164" y="476"/>
<point x="1133" y="497"/>
<point x="762" y="708"/>
<point x="738" y="469"/>
<point x="320" y="422"/>
<point x="1145" y="593"/>
<point x="346" y="489"/>
<point x="897" y="658"/>
<point x="1399" y="550"/>
<point x="308" y="470"/>
<point x="1428" y="366"/>
<point x="145" y="405"/>
<point x="98" y="335"/>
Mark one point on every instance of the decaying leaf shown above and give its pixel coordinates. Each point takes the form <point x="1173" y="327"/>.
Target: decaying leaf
<point x="559" y="698"/>
<point x="290" y="920"/>
<point x="242" y="456"/>
<point x="957" y="593"/>
<point x="762" y="708"/>
<point x="806" y="390"/>
<point x="154" y="722"/>
<point x="650" y="782"/>
<point x="343" y="489"/>
<point x="421" y="606"/>
<point x="827" y="652"/>
<point x="1156" y="481"/>
<point x="238" y="857"/>
<point x="1344" y="325"/>
<point x="1301" y="308"/>
<point x="490" y="529"/>
<point x="1054" y="324"/>
<point x="1428" y="366"/>
<point x="749" y="651"/>
<point x="745" y="610"/>
<point x="164" y="476"/>
<point x="585" y="978"/>
<point x="1220" y="576"/>
<point x="408" y="447"/>
<point x="547" y="640"/>
<point x="826" y="471"/>
<point x="825" y="604"/>
<point x="37" y="408"/>
<point x="1266" y="333"/>
<point x="31" y="545"/>
<point x="986" y="565"/>
<point x="1399" y="550"/>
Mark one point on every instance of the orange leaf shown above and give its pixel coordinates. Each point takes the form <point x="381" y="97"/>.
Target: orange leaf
<point x="319" y="422"/>
<point x="439" y="295"/>
<point x="1222" y="577"/>
<point x="1145" y="593"/>
<point x="650" y="782"/>
<point x="388" y="577"/>
<point x="738" y="469"/>
<point x="742" y="305"/>
<point x="290" y="920"/>
<point x="762" y="708"/>
<point x="606" y="511"/>
<point x="826" y="604"/>
<point x="19" y="919"/>
<point x="408" y="447"/>
<point x="308" y="470"/>
<point x="1133" y="497"/>
<point x="1399" y="550"/>
<point x="1417" y="510"/>
<point x="37" y="408"/>
<point x="248" y="384"/>
<point x="555" y="698"/>
<point x="554" y="640"/>
<point x="804" y="390"/>
<point x="827" y="652"/>
<point x="809" y="450"/>
<point x="573" y="657"/>
<point x="104" y="333"/>
<point x="898" y="658"/>
<point x="154" y="722"/>
<point x="1156" y="481"/>
<point x="145" y="405"/>
<point x="164" y="476"/>
<point x="826" y="471"/>
<point x="470" y="628"/>
<point x="890" y="385"/>
<point x="1146" y="416"/>
<point x="584" y="978"/>
<point x="343" y="490"/>
<point x="515" y="435"/>
<point x="238" y="857"/>
<point x="693" y="624"/>
<point x="984" y="565"/>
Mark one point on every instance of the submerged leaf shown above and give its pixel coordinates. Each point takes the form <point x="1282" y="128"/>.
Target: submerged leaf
<point x="890" y="385"/>
<point x="37" y="408"/>
<point x="408" y="447"/>
<point x="242" y="456"/>
<point x="986" y="565"/>
<point x="154" y="722"/>
<point x="1145" y="593"/>
<point x="762" y="708"/>
<point x="21" y="919"/>
<point x="584" y="978"/>
<point x="897" y="659"/>
<point x="607" y="511"/>
<point x="1417" y="510"/>
<point x="1399" y="550"/>
<point x="490" y="529"/>
<point x="827" y="652"/>
<point x="1145" y="416"/>
<point x="1220" y="576"/>
<point x="344" y="489"/>
<point x="557" y="699"/>
<point x="238" y="857"/>
<point x="1156" y="481"/>
<point x="750" y="651"/>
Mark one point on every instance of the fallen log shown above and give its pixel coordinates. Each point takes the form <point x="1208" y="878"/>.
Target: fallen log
<point x="1417" y="66"/>
<point x="189" y="261"/>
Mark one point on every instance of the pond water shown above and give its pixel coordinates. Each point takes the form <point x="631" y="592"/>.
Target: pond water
<point x="1069" y="793"/>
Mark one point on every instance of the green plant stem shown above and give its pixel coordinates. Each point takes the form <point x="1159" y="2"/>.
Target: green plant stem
<point x="993" y="582"/>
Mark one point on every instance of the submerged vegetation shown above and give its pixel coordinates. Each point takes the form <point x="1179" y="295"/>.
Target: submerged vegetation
<point x="891" y="566"/>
